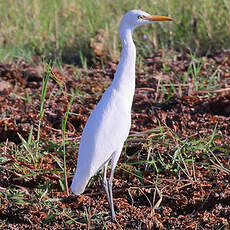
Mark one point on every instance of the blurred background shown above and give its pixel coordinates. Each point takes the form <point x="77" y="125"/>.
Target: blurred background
<point x="64" y="31"/>
<point x="179" y="142"/>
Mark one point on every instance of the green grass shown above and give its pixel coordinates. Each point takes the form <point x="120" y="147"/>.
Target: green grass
<point x="42" y="169"/>
<point x="61" y="30"/>
<point x="194" y="79"/>
<point x="177" y="155"/>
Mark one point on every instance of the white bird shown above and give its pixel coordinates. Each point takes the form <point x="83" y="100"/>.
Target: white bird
<point x="108" y="126"/>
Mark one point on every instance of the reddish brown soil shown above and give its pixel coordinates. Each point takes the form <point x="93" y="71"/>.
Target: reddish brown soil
<point x="197" y="200"/>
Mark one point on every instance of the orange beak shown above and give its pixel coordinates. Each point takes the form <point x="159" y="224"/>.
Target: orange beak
<point x="158" y="18"/>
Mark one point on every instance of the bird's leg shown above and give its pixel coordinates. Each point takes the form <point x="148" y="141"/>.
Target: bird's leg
<point x="105" y="184"/>
<point x="110" y="182"/>
<point x="110" y="185"/>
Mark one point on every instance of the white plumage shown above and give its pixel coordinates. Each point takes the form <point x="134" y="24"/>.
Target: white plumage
<point x="108" y="125"/>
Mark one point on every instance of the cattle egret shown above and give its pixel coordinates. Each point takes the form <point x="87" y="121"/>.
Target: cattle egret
<point x="108" y="125"/>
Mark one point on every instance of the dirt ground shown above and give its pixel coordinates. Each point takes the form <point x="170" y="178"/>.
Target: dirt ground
<point x="196" y="197"/>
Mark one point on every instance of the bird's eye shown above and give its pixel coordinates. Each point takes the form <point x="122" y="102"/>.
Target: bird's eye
<point x="140" y="17"/>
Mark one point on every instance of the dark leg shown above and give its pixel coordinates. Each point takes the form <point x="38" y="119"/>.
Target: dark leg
<point x="105" y="184"/>
<point x="110" y="185"/>
<point x="114" y="160"/>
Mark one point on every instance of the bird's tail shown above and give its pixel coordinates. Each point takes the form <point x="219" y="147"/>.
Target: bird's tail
<point x="79" y="183"/>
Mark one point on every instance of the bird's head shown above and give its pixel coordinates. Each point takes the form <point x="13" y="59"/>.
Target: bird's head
<point x="135" y="18"/>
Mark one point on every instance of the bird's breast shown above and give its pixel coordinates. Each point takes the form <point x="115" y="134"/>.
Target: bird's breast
<point x="105" y="131"/>
<point x="109" y="123"/>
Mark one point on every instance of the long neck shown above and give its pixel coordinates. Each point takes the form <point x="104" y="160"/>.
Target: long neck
<point x="124" y="79"/>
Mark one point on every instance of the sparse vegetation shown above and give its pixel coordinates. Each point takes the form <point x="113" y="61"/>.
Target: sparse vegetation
<point x="178" y="149"/>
